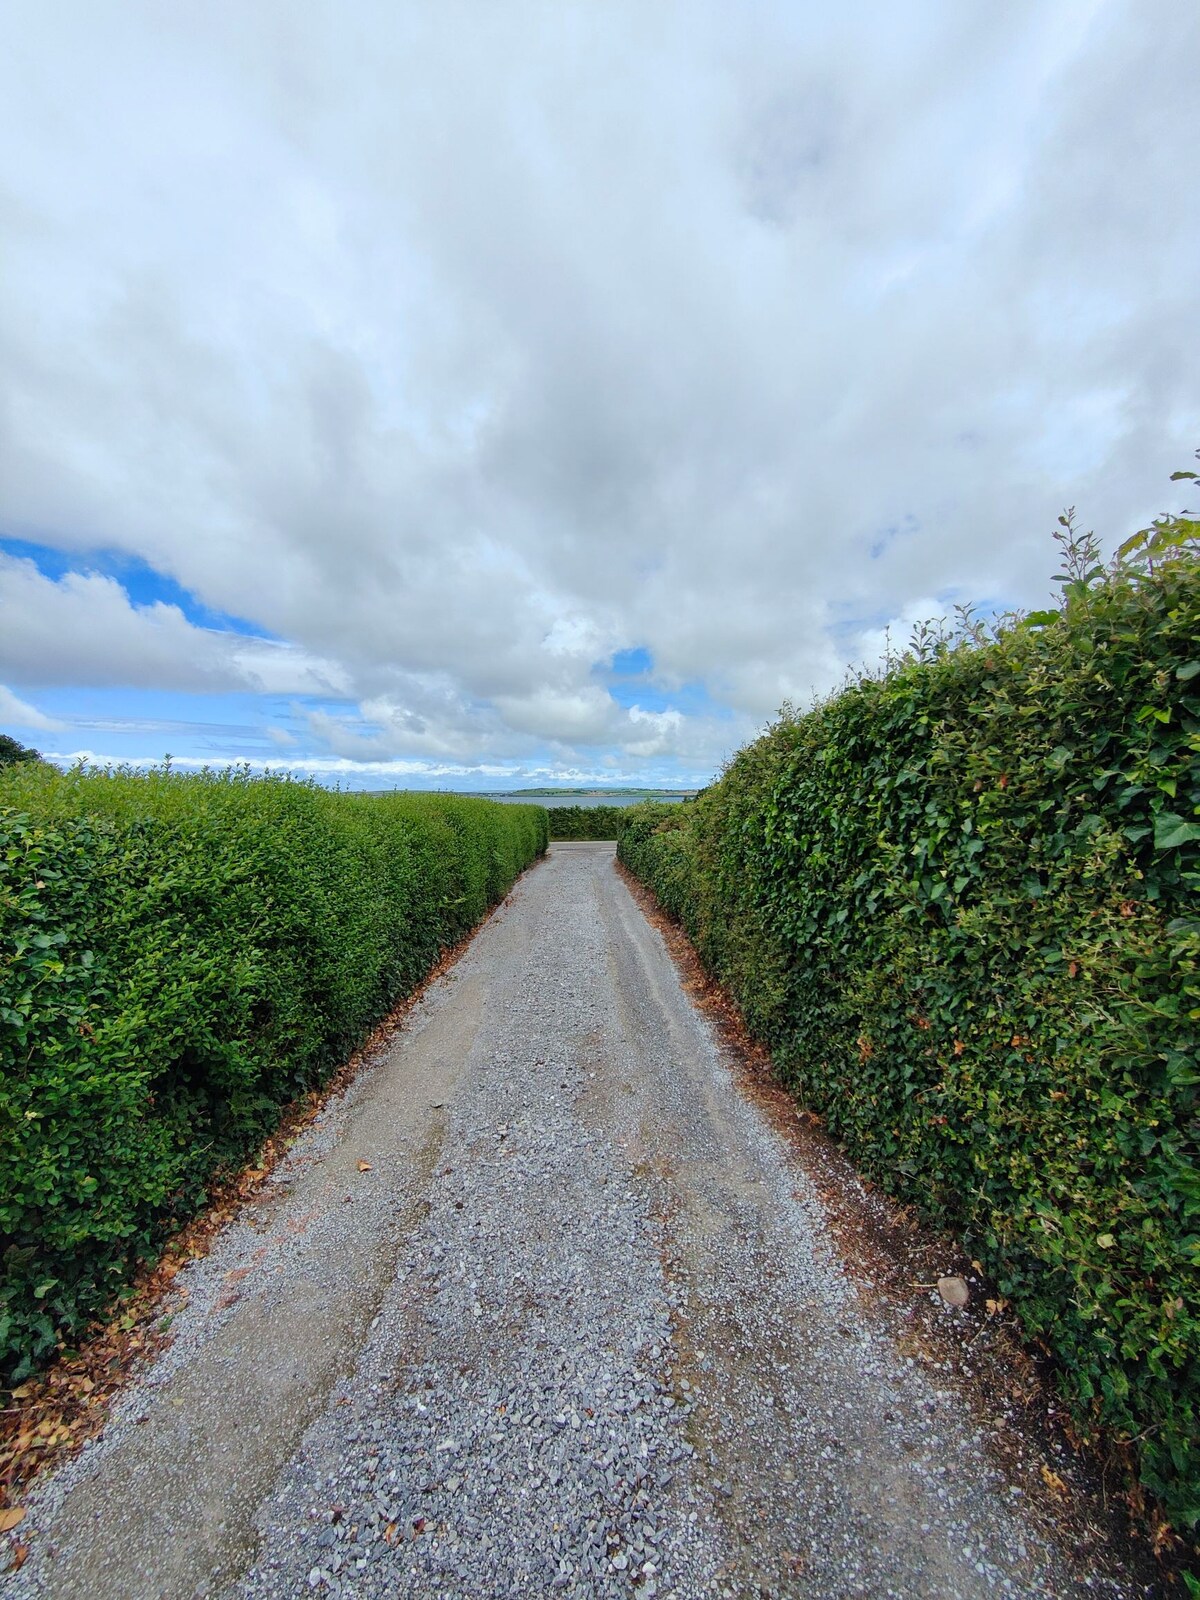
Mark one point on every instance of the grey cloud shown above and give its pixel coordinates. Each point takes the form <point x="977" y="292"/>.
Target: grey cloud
<point x="449" y="729"/>
<point x="464" y="347"/>
<point x="82" y="629"/>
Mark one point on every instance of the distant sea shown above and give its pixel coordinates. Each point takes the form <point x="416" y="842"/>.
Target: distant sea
<point x="615" y="797"/>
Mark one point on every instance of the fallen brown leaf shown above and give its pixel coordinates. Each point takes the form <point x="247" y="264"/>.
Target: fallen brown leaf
<point x="10" y="1517"/>
<point x="364" y="1166"/>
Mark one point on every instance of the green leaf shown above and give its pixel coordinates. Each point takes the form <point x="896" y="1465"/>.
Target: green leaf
<point x="1171" y="831"/>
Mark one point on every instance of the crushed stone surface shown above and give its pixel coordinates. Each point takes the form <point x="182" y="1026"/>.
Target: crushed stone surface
<point x="541" y="1306"/>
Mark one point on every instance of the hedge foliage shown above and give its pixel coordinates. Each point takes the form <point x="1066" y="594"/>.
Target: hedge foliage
<point x="179" y="957"/>
<point x="11" y="751"/>
<point x="959" y="902"/>
<point x="586" y="822"/>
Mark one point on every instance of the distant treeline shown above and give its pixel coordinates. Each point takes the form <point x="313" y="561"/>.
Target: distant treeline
<point x="11" y="751"/>
<point x="959" y="902"/>
<point x="180" y="957"/>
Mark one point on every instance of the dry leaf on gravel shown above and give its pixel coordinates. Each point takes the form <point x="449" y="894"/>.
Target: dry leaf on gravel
<point x="10" y="1517"/>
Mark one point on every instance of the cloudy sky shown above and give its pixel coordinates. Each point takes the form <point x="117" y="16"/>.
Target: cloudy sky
<point x="468" y="394"/>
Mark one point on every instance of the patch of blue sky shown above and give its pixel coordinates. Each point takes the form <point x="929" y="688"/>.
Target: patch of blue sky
<point x="629" y="679"/>
<point x="632" y="663"/>
<point x="147" y="724"/>
<point x="690" y="699"/>
<point x="144" y="584"/>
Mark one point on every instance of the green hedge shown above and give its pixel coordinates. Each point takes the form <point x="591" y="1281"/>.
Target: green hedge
<point x="959" y="902"/>
<point x="586" y="822"/>
<point x="179" y="957"/>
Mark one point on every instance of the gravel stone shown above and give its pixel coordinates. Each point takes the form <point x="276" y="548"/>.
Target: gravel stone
<point x="582" y="1332"/>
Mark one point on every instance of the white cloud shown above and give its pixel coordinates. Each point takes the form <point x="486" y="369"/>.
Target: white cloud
<point x="20" y="714"/>
<point x="466" y="346"/>
<point x="83" y="629"/>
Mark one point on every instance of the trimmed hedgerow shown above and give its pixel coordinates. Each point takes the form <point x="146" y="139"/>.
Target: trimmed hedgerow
<point x="179" y="957"/>
<point x="586" y="822"/>
<point x="959" y="902"/>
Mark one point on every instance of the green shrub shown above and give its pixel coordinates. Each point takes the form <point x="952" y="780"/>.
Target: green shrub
<point x="586" y="822"/>
<point x="959" y="903"/>
<point x="179" y="957"/>
<point x="11" y="751"/>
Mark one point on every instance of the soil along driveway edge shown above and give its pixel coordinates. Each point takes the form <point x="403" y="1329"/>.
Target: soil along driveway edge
<point x="543" y="1305"/>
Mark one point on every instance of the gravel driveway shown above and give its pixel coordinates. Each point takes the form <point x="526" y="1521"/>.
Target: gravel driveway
<point x="541" y="1306"/>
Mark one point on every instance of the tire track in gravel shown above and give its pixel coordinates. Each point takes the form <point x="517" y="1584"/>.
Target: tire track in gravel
<point x="579" y="1329"/>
